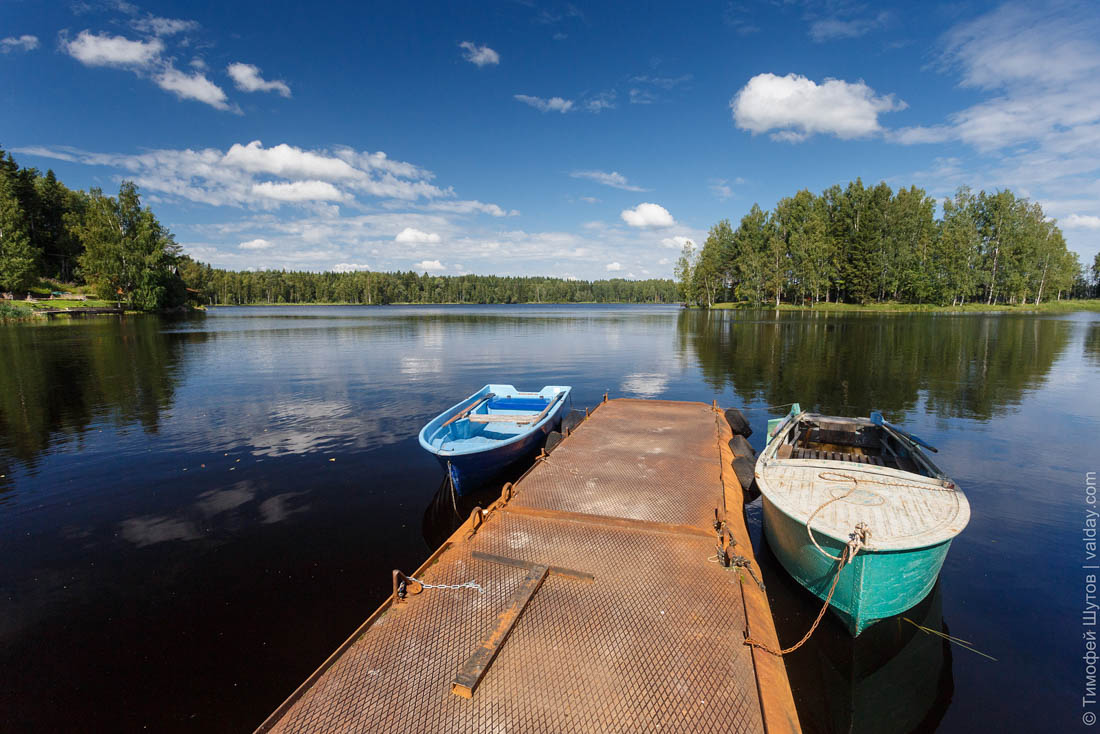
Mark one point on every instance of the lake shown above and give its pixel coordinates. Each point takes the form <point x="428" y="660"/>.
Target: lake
<point x="195" y="512"/>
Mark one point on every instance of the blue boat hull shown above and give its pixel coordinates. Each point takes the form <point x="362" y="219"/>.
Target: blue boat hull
<point x="475" y="441"/>
<point x="468" y="472"/>
<point x="876" y="585"/>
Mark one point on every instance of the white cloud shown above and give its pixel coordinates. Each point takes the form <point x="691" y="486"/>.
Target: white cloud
<point x="298" y="191"/>
<point x="1079" y="221"/>
<point x="163" y="26"/>
<point x="676" y="243"/>
<point x="613" y="267"/>
<point x="234" y="177"/>
<point x="797" y="107"/>
<point x="247" y="78"/>
<point x="469" y="207"/>
<point x="413" y="235"/>
<point x="349" y="267"/>
<point x="21" y="43"/>
<point x="721" y="188"/>
<point x="600" y="102"/>
<point x="652" y="216"/>
<point x="432" y="266"/>
<point x="192" y="86"/>
<point x="590" y="199"/>
<point x="106" y="50"/>
<point x="289" y="162"/>
<point x="613" y="179"/>
<point x="828" y="29"/>
<point x="256" y="244"/>
<point x="554" y="104"/>
<point x="479" y="55"/>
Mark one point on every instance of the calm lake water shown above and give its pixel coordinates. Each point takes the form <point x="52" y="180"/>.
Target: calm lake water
<point x="194" y="513"/>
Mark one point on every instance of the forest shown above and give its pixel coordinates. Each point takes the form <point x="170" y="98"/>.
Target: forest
<point x="860" y="244"/>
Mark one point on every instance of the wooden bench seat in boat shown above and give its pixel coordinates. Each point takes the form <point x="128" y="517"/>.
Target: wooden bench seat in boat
<point x="504" y="418"/>
<point x="835" y="456"/>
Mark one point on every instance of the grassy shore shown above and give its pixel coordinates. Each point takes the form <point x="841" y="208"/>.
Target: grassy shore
<point x="890" y="307"/>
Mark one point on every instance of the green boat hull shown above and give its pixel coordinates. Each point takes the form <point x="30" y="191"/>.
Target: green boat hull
<point x="876" y="585"/>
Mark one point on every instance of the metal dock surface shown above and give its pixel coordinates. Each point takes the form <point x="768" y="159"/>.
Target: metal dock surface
<point x="603" y="607"/>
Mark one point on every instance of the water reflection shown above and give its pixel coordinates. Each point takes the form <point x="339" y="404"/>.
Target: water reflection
<point x="58" y="380"/>
<point x="894" y="677"/>
<point x="1092" y="342"/>
<point x="230" y="493"/>
<point x="969" y="366"/>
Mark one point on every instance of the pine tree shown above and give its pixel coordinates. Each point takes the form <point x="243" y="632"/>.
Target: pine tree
<point x="18" y="258"/>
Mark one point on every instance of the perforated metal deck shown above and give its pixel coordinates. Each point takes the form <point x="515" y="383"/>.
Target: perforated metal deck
<point x="652" y="641"/>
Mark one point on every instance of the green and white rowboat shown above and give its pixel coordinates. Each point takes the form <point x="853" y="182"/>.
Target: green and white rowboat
<point x="867" y="485"/>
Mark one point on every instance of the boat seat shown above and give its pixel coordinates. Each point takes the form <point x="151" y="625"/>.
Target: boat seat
<point x="836" y="456"/>
<point x="503" y="418"/>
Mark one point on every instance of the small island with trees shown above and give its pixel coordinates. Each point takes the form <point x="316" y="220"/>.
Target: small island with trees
<point x="870" y="246"/>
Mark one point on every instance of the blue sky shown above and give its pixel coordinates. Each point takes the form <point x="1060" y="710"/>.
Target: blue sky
<point x="541" y="138"/>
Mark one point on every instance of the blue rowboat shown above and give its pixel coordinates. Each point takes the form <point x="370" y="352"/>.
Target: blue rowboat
<point x="492" y="430"/>
<point x="831" y="483"/>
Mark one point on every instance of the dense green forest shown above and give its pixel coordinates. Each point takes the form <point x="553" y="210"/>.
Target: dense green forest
<point x="226" y="287"/>
<point x="860" y="244"/>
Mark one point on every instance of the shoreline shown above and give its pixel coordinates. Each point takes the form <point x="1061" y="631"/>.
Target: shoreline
<point x="1089" y="305"/>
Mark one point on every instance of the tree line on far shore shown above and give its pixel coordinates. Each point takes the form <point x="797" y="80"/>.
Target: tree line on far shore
<point x="860" y="244"/>
<point x="215" y="286"/>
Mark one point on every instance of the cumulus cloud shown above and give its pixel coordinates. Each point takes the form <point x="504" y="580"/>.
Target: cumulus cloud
<point x="1079" y="221"/>
<point x="256" y="244"/>
<point x="289" y="162"/>
<point x="676" y="243"/>
<point x="613" y="267"/>
<point x="248" y="79"/>
<point x="479" y="55"/>
<point x="103" y="49"/>
<point x="797" y="107"/>
<point x="554" y="104"/>
<point x="411" y="235"/>
<point x="431" y="266"/>
<point x="613" y="179"/>
<point x="653" y="216"/>
<point x="145" y="59"/>
<point x="250" y="175"/>
<point x="163" y="26"/>
<point x="18" y="43"/>
<point x="192" y="86"/>
<point x="349" y="267"/>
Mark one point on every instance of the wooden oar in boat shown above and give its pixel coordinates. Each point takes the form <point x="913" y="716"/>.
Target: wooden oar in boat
<point x="878" y="420"/>
<point x="463" y="413"/>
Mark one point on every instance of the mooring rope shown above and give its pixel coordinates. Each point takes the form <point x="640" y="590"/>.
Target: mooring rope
<point x="467" y="585"/>
<point x="846" y="556"/>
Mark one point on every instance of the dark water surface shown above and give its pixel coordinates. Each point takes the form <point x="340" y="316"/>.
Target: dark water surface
<point x="194" y="513"/>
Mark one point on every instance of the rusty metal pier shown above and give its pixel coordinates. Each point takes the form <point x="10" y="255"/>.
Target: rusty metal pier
<point x="605" y="605"/>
